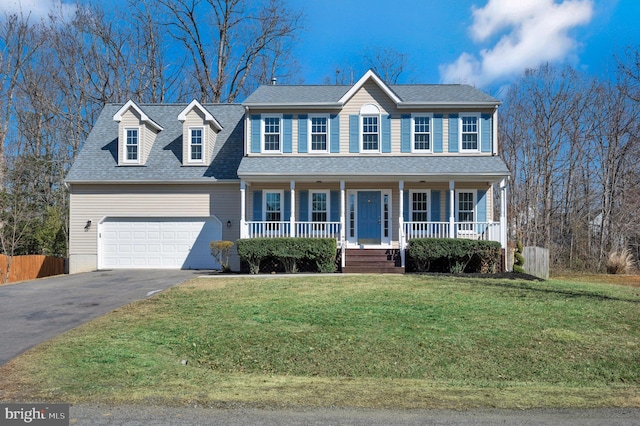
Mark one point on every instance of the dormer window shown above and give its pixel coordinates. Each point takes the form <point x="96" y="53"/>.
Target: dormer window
<point x="196" y="135"/>
<point x="132" y="145"/>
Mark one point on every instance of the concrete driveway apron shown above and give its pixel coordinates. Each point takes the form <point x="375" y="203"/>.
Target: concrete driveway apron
<point x="35" y="311"/>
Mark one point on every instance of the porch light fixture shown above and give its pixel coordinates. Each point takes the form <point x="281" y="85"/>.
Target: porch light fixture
<point x="229" y="224"/>
<point x="87" y="226"/>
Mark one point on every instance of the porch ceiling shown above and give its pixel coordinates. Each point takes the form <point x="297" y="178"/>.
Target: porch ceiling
<point x="459" y="168"/>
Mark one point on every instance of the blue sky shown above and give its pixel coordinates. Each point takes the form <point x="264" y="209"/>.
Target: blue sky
<point x="487" y="43"/>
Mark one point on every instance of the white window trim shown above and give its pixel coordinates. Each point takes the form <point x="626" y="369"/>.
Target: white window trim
<point x="262" y="133"/>
<point x="264" y="203"/>
<point x="309" y="131"/>
<point x="138" y="160"/>
<point x="475" y="203"/>
<point x="413" y="129"/>
<point x="189" y="158"/>
<point x="373" y="151"/>
<point x="426" y="191"/>
<point x="479" y="131"/>
<point x="328" y="195"/>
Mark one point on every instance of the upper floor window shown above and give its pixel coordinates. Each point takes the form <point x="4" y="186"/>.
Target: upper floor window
<point x="419" y="206"/>
<point x="421" y="133"/>
<point x="469" y="132"/>
<point x="466" y="206"/>
<point x="195" y="144"/>
<point x="272" y="134"/>
<point x="319" y="133"/>
<point x="370" y="133"/>
<point x="132" y="145"/>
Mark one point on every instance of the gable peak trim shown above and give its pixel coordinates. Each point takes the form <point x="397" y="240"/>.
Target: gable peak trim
<point x="208" y="117"/>
<point x="143" y="117"/>
<point x="376" y="79"/>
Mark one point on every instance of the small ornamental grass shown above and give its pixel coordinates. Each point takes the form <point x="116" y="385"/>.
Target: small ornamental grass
<point x="620" y="262"/>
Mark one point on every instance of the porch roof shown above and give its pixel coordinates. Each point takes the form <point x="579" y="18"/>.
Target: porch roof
<point x="363" y="168"/>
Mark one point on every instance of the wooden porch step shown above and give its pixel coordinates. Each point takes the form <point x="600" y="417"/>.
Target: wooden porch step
<point x="372" y="261"/>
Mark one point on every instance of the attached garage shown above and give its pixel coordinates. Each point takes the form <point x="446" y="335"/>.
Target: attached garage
<point x="170" y="243"/>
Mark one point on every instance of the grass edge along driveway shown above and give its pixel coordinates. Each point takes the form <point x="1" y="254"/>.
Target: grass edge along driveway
<point x="370" y="341"/>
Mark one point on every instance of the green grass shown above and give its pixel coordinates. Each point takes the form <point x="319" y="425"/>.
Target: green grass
<point x="366" y="341"/>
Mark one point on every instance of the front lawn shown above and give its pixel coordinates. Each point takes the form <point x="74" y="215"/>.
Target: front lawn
<point x="412" y="341"/>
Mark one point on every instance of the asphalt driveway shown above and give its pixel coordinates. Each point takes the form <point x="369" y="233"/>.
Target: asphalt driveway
<point x="35" y="311"/>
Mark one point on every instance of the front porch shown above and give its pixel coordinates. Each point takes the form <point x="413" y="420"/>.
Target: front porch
<point x="360" y="217"/>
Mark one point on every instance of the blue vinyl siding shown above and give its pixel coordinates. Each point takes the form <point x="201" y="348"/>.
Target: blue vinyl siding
<point x="256" y="126"/>
<point x="334" y="197"/>
<point x="302" y="133"/>
<point x="386" y="133"/>
<point x="354" y="133"/>
<point x="435" y="205"/>
<point x="334" y="144"/>
<point x="437" y="133"/>
<point x="485" y="133"/>
<point x="453" y="132"/>
<point x="405" y="133"/>
<point x="287" y="130"/>
<point x="303" y="208"/>
<point x="257" y="205"/>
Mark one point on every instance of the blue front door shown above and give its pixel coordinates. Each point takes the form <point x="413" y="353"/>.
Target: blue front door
<point x="369" y="217"/>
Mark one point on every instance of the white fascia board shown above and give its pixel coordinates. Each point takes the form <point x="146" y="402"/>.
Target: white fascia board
<point x="150" y="182"/>
<point x="358" y="85"/>
<point x="208" y="117"/>
<point x="143" y="117"/>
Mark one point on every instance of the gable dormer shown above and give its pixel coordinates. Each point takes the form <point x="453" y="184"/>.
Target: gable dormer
<point x="199" y="133"/>
<point x="136" y="134"/>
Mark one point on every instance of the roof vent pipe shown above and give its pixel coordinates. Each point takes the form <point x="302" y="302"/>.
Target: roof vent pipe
<point x="273" y="81"/>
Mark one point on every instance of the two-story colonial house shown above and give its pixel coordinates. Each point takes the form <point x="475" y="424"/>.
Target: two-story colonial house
<point x="371" y="165"/>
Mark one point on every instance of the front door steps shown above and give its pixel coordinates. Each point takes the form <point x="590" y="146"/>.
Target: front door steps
<point x="372" y="261"/>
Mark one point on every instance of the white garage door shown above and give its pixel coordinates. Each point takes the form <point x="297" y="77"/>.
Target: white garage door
<point x="173" y="243"/>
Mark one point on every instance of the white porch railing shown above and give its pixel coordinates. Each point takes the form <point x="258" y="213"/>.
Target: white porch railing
<point x="264" y="229"/>
<point x="489" y="231"/>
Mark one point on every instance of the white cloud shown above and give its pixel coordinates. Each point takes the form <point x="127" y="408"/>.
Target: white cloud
<point x="37" y="9"/>
<point x="530" y="32"/>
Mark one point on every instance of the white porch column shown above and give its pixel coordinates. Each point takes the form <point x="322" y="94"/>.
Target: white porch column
<point x="343" y="223"/>
<point x="244" y="230"/>
<point x="292" y="218"/>
<point x="503" y="213"/>
<point x="401" y="235"/>
<point x="452" y="209"/>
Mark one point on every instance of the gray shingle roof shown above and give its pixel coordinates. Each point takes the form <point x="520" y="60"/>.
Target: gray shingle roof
<point x="438" y="167"/>
<point x="410" y="93"/>
<point x="97" y="161"/>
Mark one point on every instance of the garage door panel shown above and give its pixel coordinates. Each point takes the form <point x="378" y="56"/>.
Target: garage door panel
<point x="158" y="242"/>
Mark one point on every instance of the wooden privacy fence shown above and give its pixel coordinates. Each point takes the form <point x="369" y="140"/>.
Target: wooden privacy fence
<point x="536" y="262"/>
<point x="30" y="267"/>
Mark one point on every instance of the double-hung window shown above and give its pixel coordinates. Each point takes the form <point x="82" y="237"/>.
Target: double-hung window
<point x="419" y="206"/>
<point x="469" y="132"/>
<point x="466" y="206"/>
<point x="196" y="135"/>
<point x="273" y="206"/>
<point x="272" y="134"/>
<point x="132" y="145"/>
<point x="370" y="133"/>
<point x="421" y="133"/>
<point x="319" y="206"/>
<point x="319" y="134"/>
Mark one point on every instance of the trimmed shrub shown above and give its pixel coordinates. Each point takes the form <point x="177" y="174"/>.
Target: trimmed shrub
<point x="454" y="255"/>
<point x="620" y="262"/>
<point x="518" y="259"/>
<point x="220" y="251"/>
<point x="290" y="252"/>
